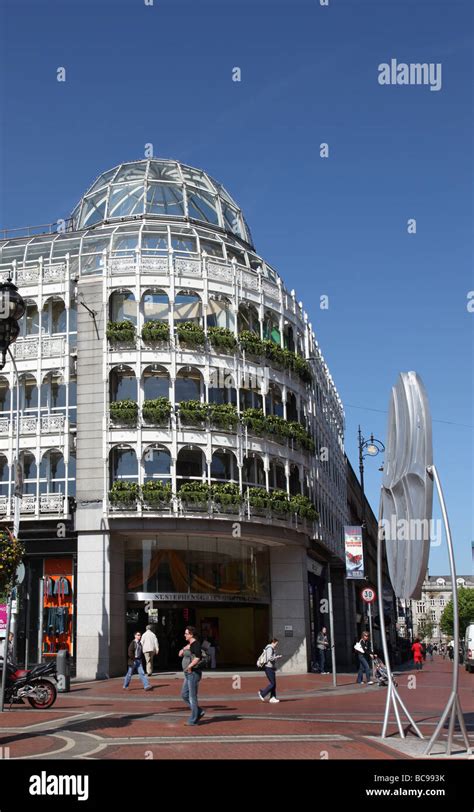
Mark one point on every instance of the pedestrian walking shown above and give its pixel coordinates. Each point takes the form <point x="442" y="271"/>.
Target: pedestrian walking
<point x="423" y="651"/>
<point x="451" y="651"/>
<point x="135" y="664"/>
<point x="150" y="647"/>
<point x="417" y="654"/>
<point x="429" y="649"/>
<point x="322" y="644"/>
<point x="365" y="659"/>
<point x="191" y="654"/>
<point x="270" y="670"/>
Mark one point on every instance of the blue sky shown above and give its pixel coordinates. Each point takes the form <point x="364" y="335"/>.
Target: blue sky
<point x="163" y="74"/>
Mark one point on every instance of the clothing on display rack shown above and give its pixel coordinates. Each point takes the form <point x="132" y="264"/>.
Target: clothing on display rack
<point x="57" y="619"/>
<point x="49" y="587"/>
<point x="62" y="587"/>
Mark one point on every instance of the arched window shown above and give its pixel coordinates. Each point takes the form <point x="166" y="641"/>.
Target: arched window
<point x="122" y="306"/>
<point x="53" y="392"/>
<point x="4" y="475"/>
<point x="277" y="477"/>
<point x="123" y="464"/>
<point x="252" y="471"/>
<point x="28" y="393"/>
<point x="29" y="472"/>
<point x="288" y="337"/>
<point x="29" y="324"/>
<point x="189" y="384"/>
<point x="5" y="399"/>
<point x="221" y="386"/>
<point x="291" y="407"/>
<point x="187" y="307"/>
<point x="224" y="466"/>
<point x="156" y="382"/>
<point x="247" y="319"/>
<point x="219" y="312"/>
<point x="273" y="400"/>
<point x="54" y="316"/>
<point x="156" y="305"/>
<point x="52" y="472"/>
<point x="123" y="384"/>
<point x="250" y="399"/>
<point x="294" y="480"/>
<point x="157" y="463"/>
<point x="271" y="327"/>
<point x="190" y="464"/>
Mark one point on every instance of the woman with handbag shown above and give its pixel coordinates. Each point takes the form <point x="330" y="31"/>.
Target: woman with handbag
<point x="270" y="657"/>
<point x="364" y="654"/>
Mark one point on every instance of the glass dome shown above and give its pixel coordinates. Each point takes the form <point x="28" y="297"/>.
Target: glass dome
<point x="164" y="188"/>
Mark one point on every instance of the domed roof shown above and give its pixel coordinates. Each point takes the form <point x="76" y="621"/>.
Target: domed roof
<point x="160" y="188"/>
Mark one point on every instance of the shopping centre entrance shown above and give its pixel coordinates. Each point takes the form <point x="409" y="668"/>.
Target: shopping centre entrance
<point x="239" y="632"/>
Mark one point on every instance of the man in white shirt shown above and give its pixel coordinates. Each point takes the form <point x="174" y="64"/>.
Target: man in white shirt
<point x="150" y="648"/>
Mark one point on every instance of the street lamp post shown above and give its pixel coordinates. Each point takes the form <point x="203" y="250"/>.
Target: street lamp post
<point x="12" y="308"/>
<point x="371" y="447"/>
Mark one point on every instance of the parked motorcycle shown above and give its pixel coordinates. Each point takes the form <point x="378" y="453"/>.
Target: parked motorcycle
<point x="37" y="685"/>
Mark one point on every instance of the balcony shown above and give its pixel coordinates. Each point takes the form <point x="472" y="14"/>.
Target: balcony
<point x="52" y="503"/>
<point x="49" y="424"/>
<point x="26" y="349"/>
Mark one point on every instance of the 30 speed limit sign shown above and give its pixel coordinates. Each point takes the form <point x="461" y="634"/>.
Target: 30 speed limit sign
<point x="368" y="595"/>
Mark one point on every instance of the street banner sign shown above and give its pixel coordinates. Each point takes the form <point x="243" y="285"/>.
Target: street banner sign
<point x="354" y="552"/>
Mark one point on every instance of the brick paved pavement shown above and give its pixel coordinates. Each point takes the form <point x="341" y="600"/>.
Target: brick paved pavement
<point x="99" y="720"/>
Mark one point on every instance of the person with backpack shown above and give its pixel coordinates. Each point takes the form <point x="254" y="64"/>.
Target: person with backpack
<point x="192" y="663"/>
<point x="268" y="660"/>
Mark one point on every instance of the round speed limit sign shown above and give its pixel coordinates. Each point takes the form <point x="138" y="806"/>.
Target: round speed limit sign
<point x="368" y="595"/>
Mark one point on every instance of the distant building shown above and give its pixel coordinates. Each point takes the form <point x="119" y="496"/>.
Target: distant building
<point x="435" y="595"/>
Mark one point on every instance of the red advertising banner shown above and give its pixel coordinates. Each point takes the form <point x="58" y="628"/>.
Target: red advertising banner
<point x="354" y="552"/>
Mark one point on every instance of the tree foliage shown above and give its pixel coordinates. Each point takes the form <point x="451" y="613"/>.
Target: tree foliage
<point x="466" y="612"/>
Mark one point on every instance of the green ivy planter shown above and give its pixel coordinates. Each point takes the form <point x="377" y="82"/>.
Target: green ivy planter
<point x="123" y="495"/>
<point x="156" y="495"/>
<point x="223" y="416"/>
<point x="190" y="335"/>
<point x="155" y="332"/>
<point x="222" y="339"/>
<point x="195" y="496"/>
<point x="157" y="412"/>
<point x="121" y="332"/>
<point x="124" y="412"/>
<point x="251" y="343"/>
<point x="226" y="497"/>
<point x="192" y="413"/>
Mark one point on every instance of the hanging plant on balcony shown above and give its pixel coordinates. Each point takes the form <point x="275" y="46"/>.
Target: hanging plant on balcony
<point x="298" y="433"/>
<point x="192" y="412"/>
<point x="157" y="412"/>
<point x="279" y="502"/>
<point x="221" y="338"/>
<point x="155" y="331"/>
<point x="251" y="343"/>
<point x="303" y="507"/>
<point x="124" y="412"/>
<point x="155" y="493"/>
<point x="274" y="353"/>
<point x="303" y="369"/>
<point x="191" y="334"/>
<point x="226" y="493"/>
<point x="276" y="426"/>
<point x="194" y="492"/>
<point x="254" y="419"/>
<point x="11" y="554"/>
<point x="223" y="415"/>
<point x="121" y="332"/>
<point x="258" y="498"/>
<point x="123" y="493"/>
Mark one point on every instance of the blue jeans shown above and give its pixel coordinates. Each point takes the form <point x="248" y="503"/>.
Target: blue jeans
<point x="132" y="669"/>
<point x="189" y="694"/>
<point x="322" y="659"/>
<point x="364" y="668"/>
<point x="271" y="687"/>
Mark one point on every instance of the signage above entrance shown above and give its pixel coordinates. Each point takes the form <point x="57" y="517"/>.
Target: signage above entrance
<point x="193" y="597"/>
